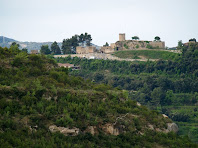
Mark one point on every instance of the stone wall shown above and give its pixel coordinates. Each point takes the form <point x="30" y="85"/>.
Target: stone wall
<point x="85" y="50"/>
<point x="161" y="45"/>
<point x="133" y="44"/>
<point x="113" y="45"/>
<point x="107" y="49"/>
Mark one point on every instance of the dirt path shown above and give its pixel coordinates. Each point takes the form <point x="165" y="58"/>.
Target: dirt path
<point x="102" y="56"/>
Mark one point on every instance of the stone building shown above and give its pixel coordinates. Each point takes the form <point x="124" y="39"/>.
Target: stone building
<point x="107" y="49"/>
<point x="85" y="50"/>
<point x="34" y="52"/>
<point x="68" y="65"/>
<point x="122" y="37"/>
<point x="124" y="44"/>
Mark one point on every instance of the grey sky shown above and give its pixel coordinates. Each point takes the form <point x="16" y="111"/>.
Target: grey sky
<point x="54" y="20"/>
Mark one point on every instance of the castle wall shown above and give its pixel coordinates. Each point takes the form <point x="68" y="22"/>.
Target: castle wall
<point x="107" y="49"/>
<point x="85" y="50"/>
<point x="133" y="44"/>
<point x="91" y="49"/>
<point x="113" y="45"/>
<point x="157" y="44"/>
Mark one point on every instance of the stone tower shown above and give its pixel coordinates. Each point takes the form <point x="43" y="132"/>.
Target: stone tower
<point x="122" y="37"/>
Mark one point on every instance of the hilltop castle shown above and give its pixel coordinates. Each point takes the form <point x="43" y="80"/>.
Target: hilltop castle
<point x="123" y="44"/>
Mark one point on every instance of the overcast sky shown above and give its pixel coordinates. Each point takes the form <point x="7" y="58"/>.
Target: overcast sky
<point x="55" y="20"/>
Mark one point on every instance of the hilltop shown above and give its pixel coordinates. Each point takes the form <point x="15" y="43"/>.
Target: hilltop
<point x="43" y="106"/>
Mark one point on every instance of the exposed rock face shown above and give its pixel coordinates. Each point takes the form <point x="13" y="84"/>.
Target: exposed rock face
<point x="66" y="131"/>
<point x="165" y="116"/>
<point x="138" y="104"/>
<point x="150" y="127"/>
<point x="110" y="129"/>
<point x="92" y="130"/>
<point x="172" y="127"/>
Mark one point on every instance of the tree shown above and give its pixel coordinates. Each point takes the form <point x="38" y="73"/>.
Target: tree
<point x="157" y="96"/>
<point x="25" y="50"/>
<point x="192" y="40"/>
<point x="66" y="46"/>
<point x="135" y="38"/>
<point x="106" y="44"/>
<point x="15" y="44"/>
<point x="45" y="49"/>
<point x="87" y="39"/>
<point x="180" y="44"/>
<point x="157" y="38"/>
<point x="55" y="49"/>
<point x="69" y="45"/>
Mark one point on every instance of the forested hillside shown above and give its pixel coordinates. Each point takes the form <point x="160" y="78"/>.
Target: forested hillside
<point x="169" y="86"/>
<point x="41" y="105"/>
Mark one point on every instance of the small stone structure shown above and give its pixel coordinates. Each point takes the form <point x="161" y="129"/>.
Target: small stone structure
<point x="34" y="52"/>
<point x="67" y="65"/>
<point x="85" y="50"/>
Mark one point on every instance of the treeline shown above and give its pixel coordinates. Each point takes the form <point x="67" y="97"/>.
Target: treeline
<point x="68" y="45"/>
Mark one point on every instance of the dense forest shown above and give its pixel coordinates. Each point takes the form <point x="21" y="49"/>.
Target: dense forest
<point x="37" y="96"/>
<point x="168" y="86"/>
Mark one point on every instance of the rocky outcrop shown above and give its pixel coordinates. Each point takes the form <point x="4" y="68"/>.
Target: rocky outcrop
<point x="110" y="129"/>
<point x="165" y="116"/>
<point x="138" y="104"/>
<point x="172" y="127"/>
<point x="91" y="129"/>
<point x="65" y="131"/>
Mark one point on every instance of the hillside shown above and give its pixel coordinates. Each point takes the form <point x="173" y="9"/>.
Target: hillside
<point x="6" y="42"/>
<point x="146" y="54"/>
<point x="168" y="86"/>
<point x="42" y="105"/>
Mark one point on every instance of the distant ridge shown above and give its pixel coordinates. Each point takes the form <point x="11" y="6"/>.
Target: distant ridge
<point x="6" y="42"/>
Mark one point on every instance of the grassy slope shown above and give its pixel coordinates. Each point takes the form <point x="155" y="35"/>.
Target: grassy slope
<point x="148" y="54"/>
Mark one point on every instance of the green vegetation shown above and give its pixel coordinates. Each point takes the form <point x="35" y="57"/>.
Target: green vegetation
<point x="69" y="45"/>
<point x="137" y="46"/>
<point x="45" y="49"/>
<point x="106" y="44"/>
<point x="55" y="49"/>
<point x="169" y="85"/>
<point x="157" y="38"/>
<point x="135" y="38"/>
<point x="35" y="93"/>
<point x="125" y="46"/>
<point x="148" y="54"/>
